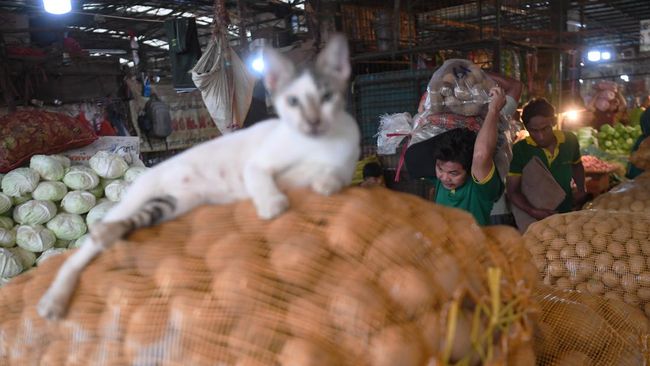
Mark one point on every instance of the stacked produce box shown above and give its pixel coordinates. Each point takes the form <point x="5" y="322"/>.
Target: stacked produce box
<point x="46" y="208"/>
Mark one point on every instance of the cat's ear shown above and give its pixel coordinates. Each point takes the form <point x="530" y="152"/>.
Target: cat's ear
<point x="278" y="70"/>
<point x="334" y="60"/>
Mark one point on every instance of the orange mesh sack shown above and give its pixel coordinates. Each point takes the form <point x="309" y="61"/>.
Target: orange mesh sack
<point x="581" y="329"/>
<point x="366" y="277"/>
<point x="595" y="251"/>
<point x="631" y="196"/>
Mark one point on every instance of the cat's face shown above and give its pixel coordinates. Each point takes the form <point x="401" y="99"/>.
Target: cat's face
<point x="308" y="101"/>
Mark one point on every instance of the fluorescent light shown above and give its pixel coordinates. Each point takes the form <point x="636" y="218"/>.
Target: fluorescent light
<point x="593" y="56"/>
<point x="605" y="55"/>
<point x="258" y="64"/>
<point x="57" y="6"/>
<point x="571" y="115"/>
<point x="581" y="81"/>
<point x="625" y="78"/>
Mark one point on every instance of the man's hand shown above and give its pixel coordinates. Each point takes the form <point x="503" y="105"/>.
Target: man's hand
<point x="497" y="99"/>
<point x="540" y="214"/>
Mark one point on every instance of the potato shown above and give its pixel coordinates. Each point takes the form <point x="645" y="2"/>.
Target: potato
<point x="396" y="345"/>
<point x="620" y="267"/>
<point x="567" y="252"/>
<point x="643" y="293"/>
<point x="595" y="287"/>
<point x="636" y="264"/>
<point x="573" y="237"/>
<point x="408" y="287"/>
<point x="583" y="249"/>
<point x="556" y="268"/>
<point x="632" y="246"/>
<point x="610" y="279"/>
<point x="563" y="283"/>
<point x="304" y="352"/>
<point x="552" y="255"/>
<point x="628" y="282"/>
<point x="599" y="242"/>
<point x="616" y="249"/>
<point x="299" y="259"/>
<point x="603" y="262"/>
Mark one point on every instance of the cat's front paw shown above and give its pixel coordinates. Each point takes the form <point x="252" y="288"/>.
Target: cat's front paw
<point x="53" y="305"/>
<point x="272" y="206"/>
<point x="326" y="185"/>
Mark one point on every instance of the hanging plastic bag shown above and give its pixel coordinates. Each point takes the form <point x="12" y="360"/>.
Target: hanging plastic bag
<point x="225" y="84"/>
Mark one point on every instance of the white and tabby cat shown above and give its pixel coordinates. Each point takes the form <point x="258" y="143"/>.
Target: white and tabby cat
<point x="314" y="143"/>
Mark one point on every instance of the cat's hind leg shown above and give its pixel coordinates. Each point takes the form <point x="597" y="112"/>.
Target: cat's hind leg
<point x="125" y="217"/>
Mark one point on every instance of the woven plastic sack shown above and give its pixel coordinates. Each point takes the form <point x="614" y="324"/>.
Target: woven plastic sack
<point x="225" y="84"/>
<point x="595" y="251"/>
<point x="365" y="277"/>
<point x="631" y="196"/>
<point x="581" y="329"/>
<point x="457" y="97"/>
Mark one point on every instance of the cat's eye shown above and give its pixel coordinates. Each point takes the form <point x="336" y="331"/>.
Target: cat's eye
<point x="327" y="96"/>
<point x="292" y="101"/>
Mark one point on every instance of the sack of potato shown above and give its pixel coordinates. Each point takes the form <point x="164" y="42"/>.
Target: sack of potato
<point x="365" y="277"/>
<point x="631" y="196"/>
<point x="595" y="251"/>
<point x="580" y="329"/>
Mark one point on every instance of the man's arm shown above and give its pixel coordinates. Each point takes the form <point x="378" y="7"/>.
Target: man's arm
<point x="513" y="192"/>
<point x="486" y="140"/>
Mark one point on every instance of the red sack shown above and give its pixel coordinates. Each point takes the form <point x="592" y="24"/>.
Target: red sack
<point x="27" y="133"/>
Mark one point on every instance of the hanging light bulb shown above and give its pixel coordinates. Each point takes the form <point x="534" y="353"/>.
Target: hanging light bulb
<point x="57" y="6"/>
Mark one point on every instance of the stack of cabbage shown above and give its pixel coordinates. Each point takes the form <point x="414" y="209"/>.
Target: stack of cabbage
<point x="46" y="208"/>
<point x="618" y="139"/>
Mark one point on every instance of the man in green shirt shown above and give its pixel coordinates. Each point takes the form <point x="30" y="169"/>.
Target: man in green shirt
<point x="559" y="150"/>
<point x="466" y="176"/>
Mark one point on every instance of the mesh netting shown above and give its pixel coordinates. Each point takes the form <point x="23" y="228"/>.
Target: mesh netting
<point x="595" y="251"/>
<point x="366" y="277"/>
<point x="631" y="196"/>
<point x="580" y="329"/>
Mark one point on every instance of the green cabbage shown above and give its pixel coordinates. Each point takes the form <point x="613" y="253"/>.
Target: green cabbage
<point x="116" y="189"/>
<point x="47" y="167"/>
<point x="67" y="226"/>
<point x="6" y="222"/>
<point x="98" y="212"/>
<point x="63" y="160"/>
<point x="51" y="191"/>
<point x="20" y="181"/>
<point x="134" y="172"/>
<point x="27" y="258"/>
<point x="80" y="177"/>
<point x="78" y="202"/>
<point x="49" y="254"/>
<point x="108" y="165"/>
<point x="7" y="238"/>
<point x="34" y="238"/>
<point x="5" y="203"/>
<point x="79" y="242"/>
<point x="10" y="265"/>
<point x="34" y="212"/>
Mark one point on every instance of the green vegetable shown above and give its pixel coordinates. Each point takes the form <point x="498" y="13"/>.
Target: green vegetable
<point x="34" y="238"/>
<point x="47" y="167"/>
<point x="67" y="226"/>
<point x="20" y="181"/>
<point x="34" y="212"/>
<point x="51" y="191"/>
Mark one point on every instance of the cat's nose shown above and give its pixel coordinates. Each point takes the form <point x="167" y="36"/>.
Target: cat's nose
<point x="313" y="122"/>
